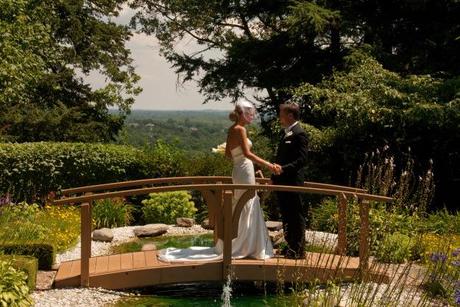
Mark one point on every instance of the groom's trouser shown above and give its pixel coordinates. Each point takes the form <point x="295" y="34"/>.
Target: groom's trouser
<point x="293" y="220"/>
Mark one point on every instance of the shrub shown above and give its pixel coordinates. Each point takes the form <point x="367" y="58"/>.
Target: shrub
<point x="166" y="207"/>
<point x="111" y="213"/>
<point x="13" y="286"/>
<point x="395" y="248"/>
<point x="27" y="264"/>
<point x="45" y="253"/>
<point x="32" y="170"/>
<point x="325" y="216"/>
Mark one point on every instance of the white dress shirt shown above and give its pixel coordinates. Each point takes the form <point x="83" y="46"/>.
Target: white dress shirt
<point x="286" y="130"/>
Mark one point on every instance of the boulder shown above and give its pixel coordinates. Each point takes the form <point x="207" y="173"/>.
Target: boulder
<point x="274" y="225"/>
<point x="149" y="247"/>
<point x="205" y="225"/>
<point x="103" y="234"/>
<point x="185" y="222"/>
<point x="151" y="230"/>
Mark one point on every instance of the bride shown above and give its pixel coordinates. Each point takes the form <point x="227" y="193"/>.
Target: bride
<point x="252" y="240"/>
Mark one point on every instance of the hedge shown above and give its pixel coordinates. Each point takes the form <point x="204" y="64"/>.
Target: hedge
<point x="45" y="253"/>
<point x="32" y="170"/>
<point x="27" y="264"/>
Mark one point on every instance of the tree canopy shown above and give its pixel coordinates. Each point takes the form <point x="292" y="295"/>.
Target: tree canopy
<point x="46" y="47"/>
<point x="275" y="44"/>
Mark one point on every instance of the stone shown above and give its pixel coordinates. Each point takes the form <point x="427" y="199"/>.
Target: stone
<point x="274" y="225"/>
<point x="279" y="242"/>
<point x="103" y="235"/>
<point x="149" y="247"/>
<point x="185" y="222"/>
<point x="45" y="280"/>
<point x="275" y="235"/>
<point x="151" y="230"/>
<point x="205" y="225"/>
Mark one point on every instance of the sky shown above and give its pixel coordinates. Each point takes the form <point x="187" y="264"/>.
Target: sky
<point x="161" y="90"/>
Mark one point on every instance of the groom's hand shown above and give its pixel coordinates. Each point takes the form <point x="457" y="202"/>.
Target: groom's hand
<point x="278" y="169"/>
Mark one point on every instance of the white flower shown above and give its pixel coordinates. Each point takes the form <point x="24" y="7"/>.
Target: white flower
<point x="220" y="149"/>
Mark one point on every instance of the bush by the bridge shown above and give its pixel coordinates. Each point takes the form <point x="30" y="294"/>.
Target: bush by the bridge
<point x="166" y="207"/>
<point x="32" y="170"/>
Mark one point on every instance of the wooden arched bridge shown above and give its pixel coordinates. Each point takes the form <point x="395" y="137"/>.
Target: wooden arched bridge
<point x="141" y="269"/>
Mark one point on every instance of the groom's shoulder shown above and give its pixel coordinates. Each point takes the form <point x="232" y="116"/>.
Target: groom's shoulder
<point x="297" y="129"/>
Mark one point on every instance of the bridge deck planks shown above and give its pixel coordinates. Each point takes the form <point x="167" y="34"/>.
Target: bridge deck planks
<point x="143" y="268"/>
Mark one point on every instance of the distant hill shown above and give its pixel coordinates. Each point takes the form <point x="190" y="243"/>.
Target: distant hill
<point x="189" y="130"/>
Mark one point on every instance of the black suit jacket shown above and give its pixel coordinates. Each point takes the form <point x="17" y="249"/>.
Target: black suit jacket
<point x="292" y="156"/>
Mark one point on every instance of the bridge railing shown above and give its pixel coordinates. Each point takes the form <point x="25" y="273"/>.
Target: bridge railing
<point x="218" y="193"/>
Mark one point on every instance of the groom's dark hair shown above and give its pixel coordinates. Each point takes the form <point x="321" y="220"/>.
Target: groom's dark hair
<point x="291" y="108"/>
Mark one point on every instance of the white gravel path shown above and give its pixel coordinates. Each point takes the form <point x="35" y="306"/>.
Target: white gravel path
<point x="77" y="297"/>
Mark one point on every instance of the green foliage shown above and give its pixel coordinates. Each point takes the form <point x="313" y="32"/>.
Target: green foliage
<point x="21" y="219"/>
<point x="45" y="253"/>
<point x="166" y="207"/>
<point x="442" y="222"/>
<point x="32" y="170"/>
<point x="110" y="213"/>
<point x="46" y="47"/>
<point x="366" y="107"/>
<point x="13" y="286"/>
<point x="324" y="217"/>
<point x="395" y="248"/>
<point x="27" y="264"/>
<point x="191" y="131"/>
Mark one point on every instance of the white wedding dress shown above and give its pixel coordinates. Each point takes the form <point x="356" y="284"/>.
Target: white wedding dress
<point x="252" y="241"/>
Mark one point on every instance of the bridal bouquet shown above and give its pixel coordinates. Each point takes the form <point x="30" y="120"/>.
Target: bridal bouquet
<point x="220" y="149"/>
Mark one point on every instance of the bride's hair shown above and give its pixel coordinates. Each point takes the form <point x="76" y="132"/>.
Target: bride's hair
<point x="234" y="116"/>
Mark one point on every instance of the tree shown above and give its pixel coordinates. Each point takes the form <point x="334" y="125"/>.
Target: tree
<point x="266" y="45"/>
<point x="366" y="107"/>
<point x="46" y="46"/>
<point x="271" y="45"/>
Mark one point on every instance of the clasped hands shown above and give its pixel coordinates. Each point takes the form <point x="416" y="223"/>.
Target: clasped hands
<point x="275" y="168"/>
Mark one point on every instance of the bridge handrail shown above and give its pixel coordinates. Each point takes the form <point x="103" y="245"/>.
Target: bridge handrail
<point x="195" y="179"/>
<point x="267" y="187"/>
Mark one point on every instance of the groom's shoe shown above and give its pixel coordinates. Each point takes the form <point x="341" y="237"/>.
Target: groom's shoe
<point x="291" y="254"/>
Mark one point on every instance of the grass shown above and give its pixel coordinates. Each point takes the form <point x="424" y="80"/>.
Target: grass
<point x="164" y="242"/>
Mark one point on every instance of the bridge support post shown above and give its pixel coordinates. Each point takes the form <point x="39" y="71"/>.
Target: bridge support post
<point x="85" y="243"/>
<point x="364" y="237"/>
<point x="342" y="231"/>
<point x="227" y="252"/>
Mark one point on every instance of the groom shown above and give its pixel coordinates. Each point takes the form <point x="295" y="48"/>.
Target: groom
<point x="291" y="157"/>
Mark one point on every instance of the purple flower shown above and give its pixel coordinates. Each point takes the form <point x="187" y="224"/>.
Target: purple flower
<point x="5" y="200"/>
<point x="457" y="296"/>
<point x="456" y="252"/>
<point x="456" y="263"/>
<point x="438" y="257"/>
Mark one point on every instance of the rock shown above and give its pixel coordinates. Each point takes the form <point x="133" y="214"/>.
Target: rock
<point x="274" y="225"/>
<point x="149" y="247"/>
<point x="55" y="266"/>
<point x="205" y="224"/>
<point x="151" y="230"/>
<point x="103" y="234"/>
<point x="185" y="222"/>
<point x="275" y="235"/>
<point x="45" y="280"/>
<point x="278" y="242"/>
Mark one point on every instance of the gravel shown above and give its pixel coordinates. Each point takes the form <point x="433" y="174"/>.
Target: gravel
<point x="77" y="297"/>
